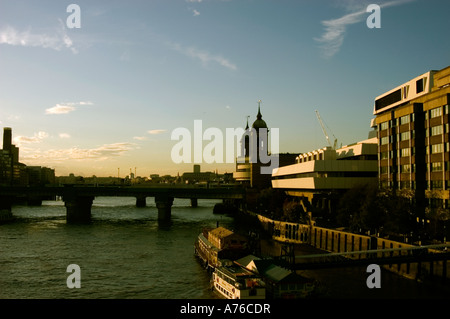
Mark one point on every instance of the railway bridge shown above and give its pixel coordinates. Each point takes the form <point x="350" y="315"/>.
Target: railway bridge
<point x="78" y="199"/>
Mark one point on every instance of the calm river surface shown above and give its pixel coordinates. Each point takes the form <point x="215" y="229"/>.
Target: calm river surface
<point x="126" y="253"/>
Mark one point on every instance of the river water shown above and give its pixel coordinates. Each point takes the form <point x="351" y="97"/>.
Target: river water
<point x="126" y="253"/>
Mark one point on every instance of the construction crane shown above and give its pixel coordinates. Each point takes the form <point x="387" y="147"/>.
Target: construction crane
<point x="325" y="132"/>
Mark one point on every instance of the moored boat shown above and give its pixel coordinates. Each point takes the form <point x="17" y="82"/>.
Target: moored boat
<point x="215" y="245"/>
<point x="235" y="282"/>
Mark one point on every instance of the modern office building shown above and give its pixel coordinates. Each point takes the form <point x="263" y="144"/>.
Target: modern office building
<point x="412" y="121"/>
<point x="325" y="171"/>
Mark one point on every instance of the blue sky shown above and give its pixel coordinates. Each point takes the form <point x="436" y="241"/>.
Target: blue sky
<point x="107" y="95"/>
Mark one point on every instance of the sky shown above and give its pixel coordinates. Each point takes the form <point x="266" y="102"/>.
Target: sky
<point x="99" y="89"/>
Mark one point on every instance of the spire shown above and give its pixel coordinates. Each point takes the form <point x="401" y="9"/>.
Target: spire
<point x="247" y="127"/>
<point x="259" y="116"/>
<point x="259" y="122"/>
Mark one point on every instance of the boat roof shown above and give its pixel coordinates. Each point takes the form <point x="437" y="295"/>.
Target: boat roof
<point x="268" y="269"/>
<point x="236" y="271"/>
<point x="278" y="274"/>
<point x="245" y="261"/>
<point x="221" y="232"/>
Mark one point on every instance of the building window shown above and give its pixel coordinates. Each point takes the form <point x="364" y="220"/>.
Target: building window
<point x="405" y="91"/>
<point x="405" y="136"/>
<point x="436" y="167"/>
<point x="436" y="112"/>
<point x="404" y="119"/>
<point x="383" y="169"/>
<point x="384" y="125"/>
<point x="405" y="152"/>
<point x="405" y="168"/>
<point x="419" y="86"/>
<point x="436" y="130"/>
<point x="384" y="140"/>
<point x="384" y="155"/>
<point x="436" y="148"/>
<point x="436" y="184"/>
<point x="404" y="185"/>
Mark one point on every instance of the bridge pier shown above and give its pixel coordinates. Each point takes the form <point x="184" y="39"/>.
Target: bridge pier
<point x="5" y="208"/>
<point x="78" y="209"/>
<point x="141" y="201"/>
<point x="164" y="206"/>
<point x="194" y="202"/>
<point x="34" y="200"/>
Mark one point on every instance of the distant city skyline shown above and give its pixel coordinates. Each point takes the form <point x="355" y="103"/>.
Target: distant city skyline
<point x="106" y="96"/>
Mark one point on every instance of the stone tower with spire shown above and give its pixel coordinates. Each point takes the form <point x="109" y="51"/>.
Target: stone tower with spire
<point x="253" y="143"/>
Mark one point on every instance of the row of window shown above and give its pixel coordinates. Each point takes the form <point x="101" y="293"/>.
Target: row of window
<point x="436" y="112"/>
<point x="405" y="136"/>
<point x="437" y="184"/>
<point x="405" y="152"/>
<point x="224" y="291"/>
<point x="411" y="168"/>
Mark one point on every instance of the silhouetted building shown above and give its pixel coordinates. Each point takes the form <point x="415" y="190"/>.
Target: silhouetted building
<point x="7" y="139"/>
<point x="254" y="145"/>
<point x="14" y="173"/>
<point x="40" y="176"/>
<point x="11" y="171"/>
<point x="197" y="176"/>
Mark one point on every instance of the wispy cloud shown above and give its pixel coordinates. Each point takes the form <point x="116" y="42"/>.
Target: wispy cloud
<point x="205" y="57"/>
<point x="101" y="153"/>
<point x="57" y="41"/>
<point x="140" y="138"/>
<point x="84" y="103"/>
<point x="36" y="138"/>
<point x="335" y="29"/>
<point x="60" y="109"/>
<point x="155" y="132"/>
<point x="195" y="12"/>
<point x="64" y="135"/>
<point x="65" y="108"/>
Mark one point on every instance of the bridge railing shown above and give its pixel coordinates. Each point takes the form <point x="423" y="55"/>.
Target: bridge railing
<point x="374" y="253"/>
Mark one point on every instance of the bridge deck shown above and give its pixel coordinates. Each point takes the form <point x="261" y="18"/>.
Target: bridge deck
<point x="151" y="191"/>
